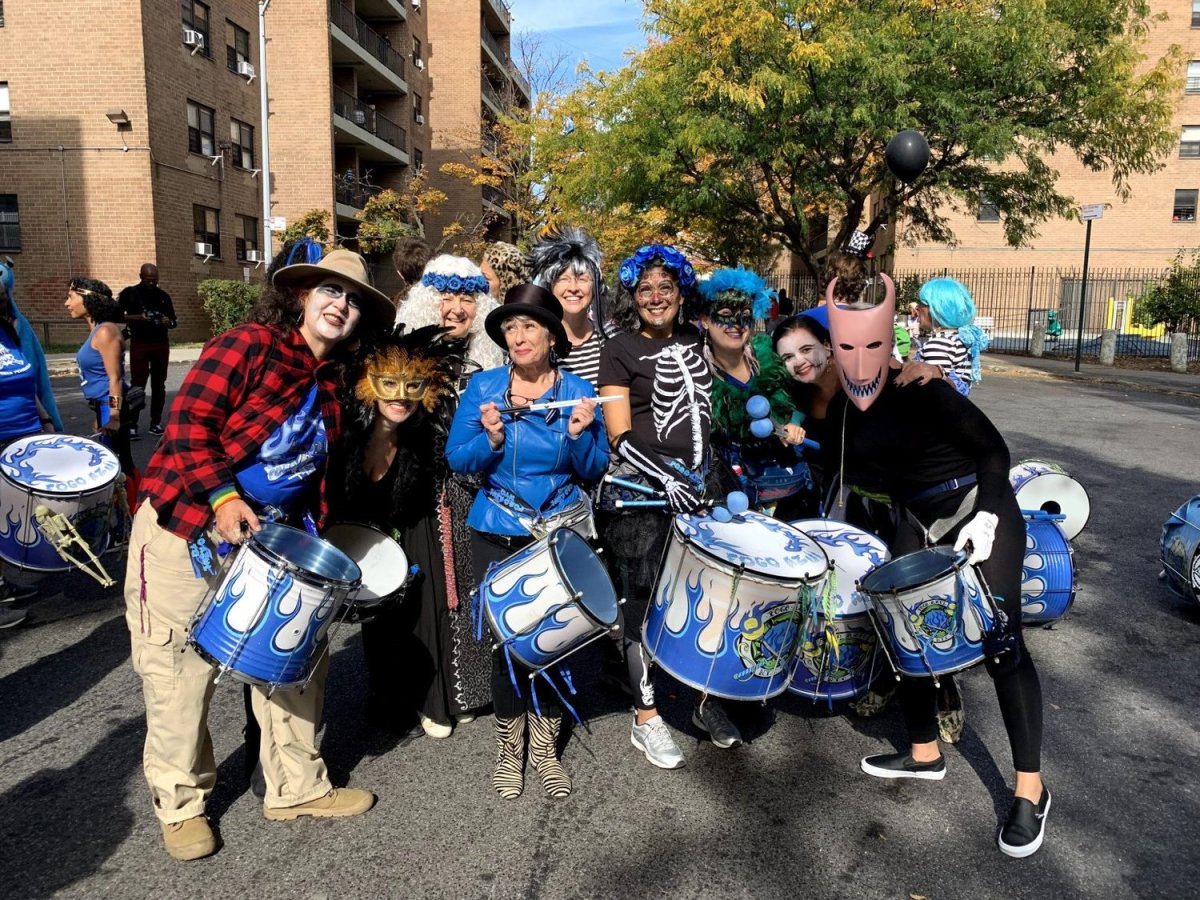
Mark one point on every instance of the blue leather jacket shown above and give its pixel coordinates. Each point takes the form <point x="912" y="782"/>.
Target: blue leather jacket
<point x="538" y="469"/>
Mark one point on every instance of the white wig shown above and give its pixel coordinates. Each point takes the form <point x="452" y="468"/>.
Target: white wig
<point x="421" y="307"/>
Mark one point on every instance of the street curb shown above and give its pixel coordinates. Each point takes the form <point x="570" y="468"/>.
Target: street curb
<point x="1086" y="378"/>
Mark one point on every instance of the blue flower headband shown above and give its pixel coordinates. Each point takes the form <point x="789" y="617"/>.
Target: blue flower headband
<point x="456" y="284"/>
<point x="632" y="268"/>
<point x="738" y="281"/>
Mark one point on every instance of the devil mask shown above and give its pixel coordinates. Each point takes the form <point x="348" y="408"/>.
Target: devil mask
<point x="862" y="344"/>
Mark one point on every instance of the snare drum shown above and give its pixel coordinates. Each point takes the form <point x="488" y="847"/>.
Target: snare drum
<point x="68" y="475"/>
<point x="1180" y="549"/>
<point x="274" y="607"/>
<point x="1047" y="574"/>
<point x="382" y="561"/>
<point x="729" y="603"/>
<point x="819" y="671"/>
<point x="549" y="599"/>
<point x="931" y="612"/>
<point x="1046" y="487"/>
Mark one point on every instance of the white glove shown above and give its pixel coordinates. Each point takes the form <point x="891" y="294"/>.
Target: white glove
<point x="980" y="533"/>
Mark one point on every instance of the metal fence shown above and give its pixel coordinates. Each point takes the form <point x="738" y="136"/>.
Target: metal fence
<point x="1014" y="304"/>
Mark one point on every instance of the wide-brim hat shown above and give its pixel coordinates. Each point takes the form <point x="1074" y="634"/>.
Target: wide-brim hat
<point x="537" y="303"/>
<point x="347" y="266"/>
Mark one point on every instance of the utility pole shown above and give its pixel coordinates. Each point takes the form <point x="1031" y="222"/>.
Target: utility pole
<point x="268" y="251"/>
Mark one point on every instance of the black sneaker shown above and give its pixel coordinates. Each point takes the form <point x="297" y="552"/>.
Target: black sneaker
<point x="133" y="433"/>
<point x="156" y="430"/>
<point x="1022" y="834"/>
<point x="10" y="593"/>
<point x="902" y="765"/>
<point x="12" y="617"/>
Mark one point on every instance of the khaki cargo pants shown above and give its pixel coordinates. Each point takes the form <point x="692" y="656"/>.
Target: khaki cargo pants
<point x="162" y="594"/>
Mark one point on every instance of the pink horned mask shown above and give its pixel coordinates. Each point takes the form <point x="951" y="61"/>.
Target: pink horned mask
<point x="862" y="344"/>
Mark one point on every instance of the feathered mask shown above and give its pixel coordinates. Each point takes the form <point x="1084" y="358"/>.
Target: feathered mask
<point x="417" y="367"/>
<point x="736" y="288"/>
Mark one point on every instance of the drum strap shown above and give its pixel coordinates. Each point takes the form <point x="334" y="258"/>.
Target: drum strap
<point x="942" y="527"/>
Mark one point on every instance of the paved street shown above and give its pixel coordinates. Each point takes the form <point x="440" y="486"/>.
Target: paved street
<point x="786" y="815"/>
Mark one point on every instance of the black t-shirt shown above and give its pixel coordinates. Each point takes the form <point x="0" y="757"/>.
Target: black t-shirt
<point x="670" y="387"/>
<point x="147" y="300"/>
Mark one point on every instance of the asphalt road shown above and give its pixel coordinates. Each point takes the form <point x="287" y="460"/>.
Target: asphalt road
<point x="788" y="814"/>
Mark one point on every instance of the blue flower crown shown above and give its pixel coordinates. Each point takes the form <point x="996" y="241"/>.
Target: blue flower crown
<point x="632" y="268"/>
<point x="456" y="284"/>
<point x="741" y="281"/>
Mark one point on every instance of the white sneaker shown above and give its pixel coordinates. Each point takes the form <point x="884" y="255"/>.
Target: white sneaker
<point x="656" y="742"/>
<point x="464" y="719"/>
<point x="435" y="729"/>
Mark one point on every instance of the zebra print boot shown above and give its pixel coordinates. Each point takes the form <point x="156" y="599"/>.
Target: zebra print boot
<point x="509" y="777"/>
<point x="543" y="753"/>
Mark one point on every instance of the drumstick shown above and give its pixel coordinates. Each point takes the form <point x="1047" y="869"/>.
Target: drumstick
<point x="1042" y="515"/>
<point x="553" y="404"/>
<point x="621" y="504"/>
<point x="633" y="485"/>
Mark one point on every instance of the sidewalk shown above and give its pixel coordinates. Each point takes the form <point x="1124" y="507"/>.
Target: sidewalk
<point x="993" y="363"/>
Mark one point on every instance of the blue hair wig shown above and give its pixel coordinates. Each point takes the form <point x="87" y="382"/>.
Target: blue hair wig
<point x="949" y="302"/>
<point x="737" y="281"/>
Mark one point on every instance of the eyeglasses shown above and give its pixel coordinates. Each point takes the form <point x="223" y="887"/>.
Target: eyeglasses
<point x="570" y="277"/>
<point x="389" y="387"/>
<point x="337" y="292"/>
<point x="651" y="291"/>
<point x="740" y="319"/>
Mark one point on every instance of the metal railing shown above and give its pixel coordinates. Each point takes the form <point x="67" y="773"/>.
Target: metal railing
<point x="365" y="36"/>
<point x="1016" y="303"/>
<point x="354" y="110"/>
<point x="354" y="192"/>
<point x="494" y="196"/>
<point x="491" y="93"/>
<point x="492" y="44"/>
<point x="521" y="80"/>
<point x="502" y="10"/>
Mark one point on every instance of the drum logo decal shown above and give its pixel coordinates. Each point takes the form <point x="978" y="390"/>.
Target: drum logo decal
<point x="935" y="618"/>
<point x="765" y="646"/>
<point x="855" y="648"/>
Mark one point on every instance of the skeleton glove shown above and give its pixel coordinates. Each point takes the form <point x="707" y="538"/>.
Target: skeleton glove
<point x="681" y="496"/>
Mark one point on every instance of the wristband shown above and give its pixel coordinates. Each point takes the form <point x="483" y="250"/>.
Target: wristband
<point x="221" y="496"/>
<point x="114" y="402"/>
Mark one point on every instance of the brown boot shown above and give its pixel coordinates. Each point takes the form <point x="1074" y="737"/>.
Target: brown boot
<point x="543" y="753"/>
<point x="189" y="839"/>
<point x="338" y="802"/>
<point x="509" y="776"/>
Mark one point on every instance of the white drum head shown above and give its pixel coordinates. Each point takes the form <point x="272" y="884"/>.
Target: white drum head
<point x="1054" y="493"/>
<point x="383" y="562"/>
<point x="59" y="464"/>
<point x="853" y="553"/>
<point x="757" y="543"/>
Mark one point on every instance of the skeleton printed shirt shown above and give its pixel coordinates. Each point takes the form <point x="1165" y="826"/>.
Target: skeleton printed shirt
<point x="669" y="391"/>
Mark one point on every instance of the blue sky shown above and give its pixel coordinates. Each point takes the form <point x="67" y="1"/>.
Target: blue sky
<point x="597" y="30"/>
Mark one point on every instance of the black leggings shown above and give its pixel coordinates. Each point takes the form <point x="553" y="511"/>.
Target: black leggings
<point x="494" y="548"/>
<point x="1014" y="676"/>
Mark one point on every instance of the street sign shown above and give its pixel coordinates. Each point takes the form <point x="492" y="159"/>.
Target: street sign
<point x="278" y="223"/>
<point x="1090" y="211"/>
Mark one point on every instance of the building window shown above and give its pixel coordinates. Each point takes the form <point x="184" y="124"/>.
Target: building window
<point x="418" y="109"/>
<point x="10" y="223"/>
<point x="241" y="136"/>
<point x="1189" y="142"/>
<point x="202" y="134"/>
<point x="417" y="53"/>
<point x="1185" y="206"/>
<point x="2" y="13"/>
<point x="247" y="236"/>
<point x="1193" y="78"/>
<point x="5" y="115"/>
<point x="418" y="159"/>
<point x="237" y="46"/>
<point x="195" y="18"/>
<point x="206" y="223"/>
<point x="987" y="210"/>
<point x="1195" y="14"/>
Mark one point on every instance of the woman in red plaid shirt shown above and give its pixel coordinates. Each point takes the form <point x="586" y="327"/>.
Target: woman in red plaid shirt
<point x="248" y="437"/>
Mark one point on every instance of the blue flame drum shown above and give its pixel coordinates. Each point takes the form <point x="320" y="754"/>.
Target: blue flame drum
<point x="1180" y="548"/>
<point x="835" y="659"/>
<point x="931" y="612"/>
<point x="729" y="604"/>
<point x="1048" y="572"/>
<point x="64" y="474"/>
<point x="270" y="615"/>
<point x="549" y="599"/>
<point x="1043" y="486"/>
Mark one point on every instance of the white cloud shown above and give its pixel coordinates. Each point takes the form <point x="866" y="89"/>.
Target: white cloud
<point x="599" y="31"/>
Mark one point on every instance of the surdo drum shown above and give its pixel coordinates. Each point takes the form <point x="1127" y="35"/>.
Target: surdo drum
<point x="1047" y="572"/>
<point x="1180" y="550"/>
<point x="382" y="561"/>
<point x="727" y="610"/>
<point x="1043" y="486"/>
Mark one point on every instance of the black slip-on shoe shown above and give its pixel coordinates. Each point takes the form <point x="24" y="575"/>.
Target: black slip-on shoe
<point x="1022" y="834"/>
<point x="902" y="765"/>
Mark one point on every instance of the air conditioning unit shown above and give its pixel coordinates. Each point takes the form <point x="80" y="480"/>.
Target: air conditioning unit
<point x="360" y="117"/>
<point x="416" y="4"/>
<point x="420" y="119"/>
<point x="419" y="63"/>
<point x="193" y="39"/>
<point x="204" y="250"/>
<point x="246" y="70"/>
<point x="254" y="256"/>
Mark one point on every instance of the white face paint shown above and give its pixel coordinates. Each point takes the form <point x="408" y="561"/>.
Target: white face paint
<point x="331" y="312"/>
<point x="804" y="355"/>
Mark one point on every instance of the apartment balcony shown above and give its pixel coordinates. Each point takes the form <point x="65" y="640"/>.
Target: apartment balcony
<point x="491" y="96"/>
<point x="501" y="61"/>
<point x="351" y="195"/>
<point x="378" y="65"/>
<point x="521" y="82"/>
<point x="376" y="137"/>
<point x="493" y="199"/>
<point x="382" y="10"/>
<point x="497" y="15"/>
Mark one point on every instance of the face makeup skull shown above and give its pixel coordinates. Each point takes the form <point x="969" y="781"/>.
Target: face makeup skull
<point x="862" y="344"/>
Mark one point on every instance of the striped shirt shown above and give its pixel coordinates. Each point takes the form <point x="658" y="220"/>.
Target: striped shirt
<point x="584" y="359"/>
<point x="946" y="350"/>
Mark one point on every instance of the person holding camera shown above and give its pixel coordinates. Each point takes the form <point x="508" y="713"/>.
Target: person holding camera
<point x="149" y="314"/>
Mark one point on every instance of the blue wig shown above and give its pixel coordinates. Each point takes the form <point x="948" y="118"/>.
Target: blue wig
<point x="31" y="348"/>
<point x="951" y="306"/>
<point x="714" y="290"/>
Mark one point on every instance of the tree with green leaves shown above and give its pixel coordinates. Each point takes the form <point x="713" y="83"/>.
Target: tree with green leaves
<point x="760" y="123"/>
<point x="1175" y="301"/>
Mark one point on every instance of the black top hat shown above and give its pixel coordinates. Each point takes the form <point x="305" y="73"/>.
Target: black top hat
<point x="535" y="302"/>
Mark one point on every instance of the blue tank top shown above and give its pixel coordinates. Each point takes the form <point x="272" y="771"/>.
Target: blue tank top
<point x="93" y="377"/>
<point x="18" y="389"/>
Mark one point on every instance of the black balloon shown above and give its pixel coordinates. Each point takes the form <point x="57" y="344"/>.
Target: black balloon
<point x="907" y="155"/>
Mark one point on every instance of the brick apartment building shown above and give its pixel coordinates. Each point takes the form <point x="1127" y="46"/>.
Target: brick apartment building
<point x="130" y="132"/>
